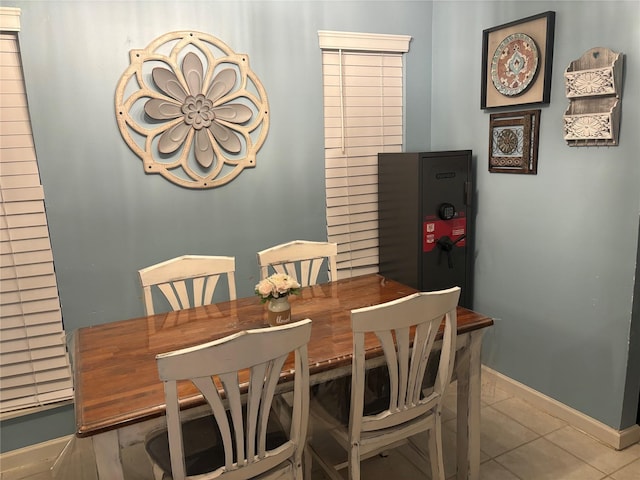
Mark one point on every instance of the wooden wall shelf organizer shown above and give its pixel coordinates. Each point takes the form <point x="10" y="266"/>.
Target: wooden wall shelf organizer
<point x="594" y="88"/>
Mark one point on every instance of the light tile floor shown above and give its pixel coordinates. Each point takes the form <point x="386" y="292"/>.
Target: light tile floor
<point x="518" y="442"/>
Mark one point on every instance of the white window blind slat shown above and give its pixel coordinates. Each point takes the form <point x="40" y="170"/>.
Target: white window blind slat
<point x="354" y="208"/>
<point x="340" y="162"/>
<point x="366" y="170"/>
<point x="354" y="200"/>
<point x="21" y="356"/>
<point x="363" y="95"/>
<point x="351" y="180"/>
<point x="363" y="151"/>
<point x="23" y="271"/>
<point x="7" y="298"/>
<point x="15" y="154"/>
<point x="352" y="190"/>
<point x="352" y="262"/>
<point x="353" y="237"/>
<point x="24" y="220"/>
<point x="19" y="181"/>
<point x="42" y="383"/>
<point x="57" y="395"/>
<point x="12" y="86"/>
<point x="361" y="111"/>
<point x="34" y="363"/>
<point x="25" y="308"/>
<point x="28" y="283"/>
<point x="12" y="322"/>
<point x="24" y="245"/>
<point x="14" y="128"/>
<point x="348" y="229"/>
<point x="355" y="122"/>
<point x="25" y="233"/>
<point x="351" y="143"/>
<point x="14" y="114"/>
<point x="48" y="368"/>
<point x="332" y="81"/>
<point x="364" y="131"/>
<point x="353" y="218"/>
<point x="27" y="258"/>
<point x="18" y="208"/>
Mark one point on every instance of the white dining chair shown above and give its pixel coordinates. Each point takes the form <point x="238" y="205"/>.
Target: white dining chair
<point x="239" y="438"/>
<point x="406" y="329"/>
<point x="187" y="281"/>
<point x="300" y="259"/>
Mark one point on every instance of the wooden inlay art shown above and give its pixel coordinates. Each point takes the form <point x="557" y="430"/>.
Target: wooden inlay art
<point x="192" y="109"/>
<point x="513" y="142"/>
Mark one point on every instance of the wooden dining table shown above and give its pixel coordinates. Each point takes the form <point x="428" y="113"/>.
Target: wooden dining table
<point x="119" y="397"/>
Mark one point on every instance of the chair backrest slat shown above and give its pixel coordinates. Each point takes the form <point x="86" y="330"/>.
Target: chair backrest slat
<point x="300" y="259"/>
<point x="174" y="277"/>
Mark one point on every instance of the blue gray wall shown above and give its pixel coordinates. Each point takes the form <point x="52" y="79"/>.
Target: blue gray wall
<point x="556" y="252"/>
<point x="558" y="280"/>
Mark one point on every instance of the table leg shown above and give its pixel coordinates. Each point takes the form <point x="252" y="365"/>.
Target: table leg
<point x="106" y="448"/>
<point x="468" y="369"/>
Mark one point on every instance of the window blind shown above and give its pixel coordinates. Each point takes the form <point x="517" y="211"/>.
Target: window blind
<point x="34" y="364"/>
<point x="363" y="116"/>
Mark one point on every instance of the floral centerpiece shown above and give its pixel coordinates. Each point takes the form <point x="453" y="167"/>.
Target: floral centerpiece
<point x="276" y="286"/>
<point x="276" y="290"/>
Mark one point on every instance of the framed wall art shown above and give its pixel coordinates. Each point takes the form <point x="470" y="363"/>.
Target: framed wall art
<point x="516" y="62"/>
<point x="513" y="142"/>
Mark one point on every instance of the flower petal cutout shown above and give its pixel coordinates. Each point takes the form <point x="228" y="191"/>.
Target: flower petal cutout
<point x="167" y="81"/>
<point x="203" y="148"/>
<point x="226" y="137"/>
<point x="233" y="112"/>
<point x="192" y="71"/>
<point x="222" y="84"/>
<point x="171" y="140"/>
<point x="160" y="109"/>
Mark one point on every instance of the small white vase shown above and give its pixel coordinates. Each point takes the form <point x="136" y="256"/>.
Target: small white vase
<point x="279" y="311"/>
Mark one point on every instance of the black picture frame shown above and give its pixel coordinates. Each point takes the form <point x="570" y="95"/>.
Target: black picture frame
<point x="540" y="28"/>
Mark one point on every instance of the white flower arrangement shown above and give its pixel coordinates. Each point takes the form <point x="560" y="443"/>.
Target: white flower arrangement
<point x="276" y="286"/>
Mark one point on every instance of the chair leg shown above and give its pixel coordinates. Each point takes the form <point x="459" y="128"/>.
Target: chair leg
<point x="158" y="474"/>
<point x="436" y="451"/>
<point x="354" y="462"/>
<point x="433" y="454"/>
<point x="307" y="462"/>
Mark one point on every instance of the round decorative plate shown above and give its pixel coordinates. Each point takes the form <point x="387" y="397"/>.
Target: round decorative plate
<point x="507" y="141"/>
<point x="514" y="64"/>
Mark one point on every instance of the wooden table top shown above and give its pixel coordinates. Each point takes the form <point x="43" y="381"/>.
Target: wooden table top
<point x="116" y="379"/>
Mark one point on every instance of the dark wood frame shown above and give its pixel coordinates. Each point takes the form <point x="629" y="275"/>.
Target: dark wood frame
<point x="528" y="122"/>
<point x="541" y="29"/>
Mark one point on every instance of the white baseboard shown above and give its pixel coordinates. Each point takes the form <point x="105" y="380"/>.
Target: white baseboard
<point x="40" y="452"/>
<point x="618" y="439"/>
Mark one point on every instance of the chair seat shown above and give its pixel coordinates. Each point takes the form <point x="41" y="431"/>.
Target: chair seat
<point x="334" y="396"/>
<point x="203" y="449"/>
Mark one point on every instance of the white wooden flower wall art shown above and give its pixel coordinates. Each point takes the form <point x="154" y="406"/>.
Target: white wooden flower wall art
<point x="192" y="110"/>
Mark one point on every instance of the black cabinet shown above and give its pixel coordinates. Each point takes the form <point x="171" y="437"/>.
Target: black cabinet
<point x="426" y="220"/>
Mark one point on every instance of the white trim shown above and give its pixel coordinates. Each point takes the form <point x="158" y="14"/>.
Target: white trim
<point x="10" y="19"/>
<point x="39" y="453"/>
<point x="618" y="439"/>
<point x="376" y="42"/>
